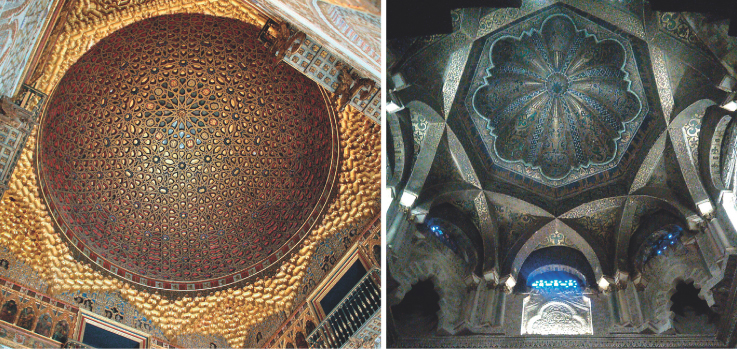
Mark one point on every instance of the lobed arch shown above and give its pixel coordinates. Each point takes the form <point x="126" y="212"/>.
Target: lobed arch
<point x="662" y="275"/>
<point x="428" y="261"/>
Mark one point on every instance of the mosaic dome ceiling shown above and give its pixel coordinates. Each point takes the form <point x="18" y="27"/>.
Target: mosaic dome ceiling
<point x="557" y="99"/>
<point x="558" y="107"/>
<point x="177" y="155"/>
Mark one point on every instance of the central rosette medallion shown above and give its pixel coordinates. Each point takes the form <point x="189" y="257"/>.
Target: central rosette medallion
<point x="556" y="98"/>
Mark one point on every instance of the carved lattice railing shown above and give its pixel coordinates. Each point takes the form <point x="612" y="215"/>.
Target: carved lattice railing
<point x="357" y="307"/>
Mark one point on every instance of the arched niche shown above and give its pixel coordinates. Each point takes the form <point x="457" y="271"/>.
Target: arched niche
<point x="554" y="279"/>
<point x="552" y="259"/>
<point x="462" y="197"/>
<point x="417" y="313"/>
<point x="461" y="229"/>
<point x="650" y="231"/>
<point x="661" y="275"/>
<point x="428" y="259"/>
<point x="557" y="233"/>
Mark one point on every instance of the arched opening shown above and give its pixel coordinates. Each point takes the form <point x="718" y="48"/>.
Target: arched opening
<point x="300" y="340"/>
<point x="456" y="230"/>
<point x="556" y="258"/>
<point x="658" y="234"/>
<point x="555" y="279"/>
<point x="692" y="314"/>
<point x="309" y="327"/>
<point x="417" y="313"/>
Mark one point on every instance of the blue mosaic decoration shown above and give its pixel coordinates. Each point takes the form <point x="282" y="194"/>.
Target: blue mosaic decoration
<point x="559" y="96"/>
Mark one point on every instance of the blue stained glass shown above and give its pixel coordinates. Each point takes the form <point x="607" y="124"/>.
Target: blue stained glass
<point x="555" y="284"/>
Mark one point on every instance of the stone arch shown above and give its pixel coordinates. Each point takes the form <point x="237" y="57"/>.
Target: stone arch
<point x="650" y="226"/>
<point x="687" y="162"/>
<point x="428" y="147"/>
<point x="487" y="228"/>
<point x="430" y="261"/>
<point x="663" y="274"/>
<point x="400" y="149"/>
<point x="630" y="221"/>
<point x="575" y="241"/>
<point x="466" y="233"/>
<point x="714" y="151"/>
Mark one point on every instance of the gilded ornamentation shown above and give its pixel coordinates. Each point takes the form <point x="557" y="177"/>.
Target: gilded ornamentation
<point x="92" y="20"/>
<point x="602" y="225"/>
<point x="21" y="24"/>
<point x="350" y="84"/>
<point x="691" y="134"/>
<point x="568" y="314"/>
<point x="453" y="74"/>
<point x="662" y="80"/>
<point x="352" y="24"/>
<point x="511" y="225"/>
<point x="285" y="42"/>
<point x="190" y="158"/>
<point x="350" y="31"/>
<point x="24" y="220"/>
<point x="555" y="239"/>
<point x="728" y="157"/>
<point x="419" y="130"/>
<point x="26" y="227"/>
<point x="675" y="24"/>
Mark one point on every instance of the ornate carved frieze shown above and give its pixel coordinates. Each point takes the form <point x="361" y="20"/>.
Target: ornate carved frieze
<point x="325" y="68"/>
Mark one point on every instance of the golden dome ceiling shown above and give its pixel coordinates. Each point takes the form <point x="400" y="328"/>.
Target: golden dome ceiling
<point x="176" y="155"/>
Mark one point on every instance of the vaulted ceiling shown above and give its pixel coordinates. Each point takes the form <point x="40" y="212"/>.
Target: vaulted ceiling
<point x="584" y="114"/>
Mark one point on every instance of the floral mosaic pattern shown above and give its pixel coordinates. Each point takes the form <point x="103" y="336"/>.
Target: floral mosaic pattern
<point x="557" y="98"/>
<point x="190" y="158"/>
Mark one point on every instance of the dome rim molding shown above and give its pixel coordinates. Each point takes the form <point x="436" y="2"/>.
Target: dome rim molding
<point x="238" y="278"/>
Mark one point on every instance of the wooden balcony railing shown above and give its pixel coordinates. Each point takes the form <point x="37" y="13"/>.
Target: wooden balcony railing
<point x="357" y="307"/>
